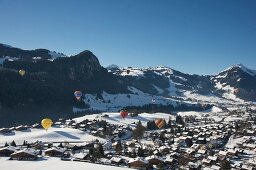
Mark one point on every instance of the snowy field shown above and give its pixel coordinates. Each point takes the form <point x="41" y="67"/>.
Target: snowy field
<point x="115" y="118"/>
<point x="52" y="164"/>
<point x="52" y="135"/>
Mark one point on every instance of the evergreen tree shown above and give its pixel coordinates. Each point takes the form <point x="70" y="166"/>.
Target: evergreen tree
<point x="162" y="137"/>
<point x="6" y="144"/>
<point x="13" y="143"/>
<point x="140" y="152"/>
<point x="118" y="147"/>
<point x="138" y="132"/>
<point x="60" y="145"/>
<point x="99" y="152"/>
<point x="179" y="120"/>
<point x="189" y="142"/>
<point x="225" y="165"/>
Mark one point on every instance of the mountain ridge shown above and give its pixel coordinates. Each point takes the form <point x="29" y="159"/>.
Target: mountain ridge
<point x="52" y="81"/>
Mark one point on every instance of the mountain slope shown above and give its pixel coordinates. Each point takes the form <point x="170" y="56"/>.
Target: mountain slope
<point x="50" y="81"/>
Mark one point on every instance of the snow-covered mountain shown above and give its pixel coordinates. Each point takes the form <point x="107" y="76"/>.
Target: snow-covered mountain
<point x="163" y="81"/>
<point x="110" y="89"/>
<point x="12" y="53"/>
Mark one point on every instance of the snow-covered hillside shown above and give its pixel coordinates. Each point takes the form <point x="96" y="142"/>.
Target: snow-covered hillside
<point x="54" y="134"/>
<point x="115" y="118"/>
<point x="54" y="55"/>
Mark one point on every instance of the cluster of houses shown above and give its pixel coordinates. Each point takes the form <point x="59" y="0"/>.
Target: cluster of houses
<point x="214" y="145"/>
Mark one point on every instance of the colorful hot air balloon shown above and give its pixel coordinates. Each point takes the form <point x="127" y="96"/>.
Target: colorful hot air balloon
<point x="22" y="72"/>
<point x="78" y="95"/>
<point x="160" y="123"/>
<point x="124" y="114"/>
<point x="46" y="123"/>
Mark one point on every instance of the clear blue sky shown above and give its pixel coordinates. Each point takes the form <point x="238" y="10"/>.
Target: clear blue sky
<point x="193" y="36"/>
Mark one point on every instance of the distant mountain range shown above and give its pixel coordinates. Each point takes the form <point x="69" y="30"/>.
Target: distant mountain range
<point x="51" y="78"/>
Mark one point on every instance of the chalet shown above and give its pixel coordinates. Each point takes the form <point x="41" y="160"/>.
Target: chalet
<point x="81" y="156"/>
<point x="207" y="161"/>
<point x="232" y="152"/>
<point x="213" y="159"/>
<point x="26" y="154"/>
<point x="169" y="161"/>
<point x="138" y="163"/>
<point x="55" y="152"/>
<point x="117" y="160"/>
<point x="7" y="151"/>
<point x="201" y="151"/>
<point x="190" y="151"/>
<point x="154" y="160"/>
<point x="215" y="167"/>
<point x="222" y="154"/>
<point x="194" y="166"/>
<point x="164" y="149"/>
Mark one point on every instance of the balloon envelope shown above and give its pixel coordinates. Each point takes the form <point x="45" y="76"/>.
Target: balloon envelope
<point x="160" y="123"/>
<point x="22" y="72"/>
<point x="46" y="123"/>
<point x="78" y="94"/>
<point x="124" y="113"/>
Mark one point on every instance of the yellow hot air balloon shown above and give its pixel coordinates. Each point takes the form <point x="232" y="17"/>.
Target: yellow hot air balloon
<point x="46" y="123"/>
<point x="22" y="72"/>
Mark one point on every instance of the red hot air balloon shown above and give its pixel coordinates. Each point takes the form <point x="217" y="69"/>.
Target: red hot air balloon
<point x="160" y="123"/>
<point x="78" y="95"/>
<point x="123" y="114"/>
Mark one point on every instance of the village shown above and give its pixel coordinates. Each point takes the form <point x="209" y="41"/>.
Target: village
<point x="184" y="142"/>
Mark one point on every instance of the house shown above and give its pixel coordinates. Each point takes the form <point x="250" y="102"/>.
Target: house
<point x="55" y="152"/>
<point x="213" y="159"/>
<point x="117" y="160"/>
<point x="154" y="160"/>
<point x="26" y="154"/>
<point x="232" y="152"/>
<point x="7" y="151"/>
<point x="201" y="151"/>
<point x="164" y="149"/>
<point x="81" y="156"/>
<point x="194" y="166"/>
<point x="222" y="154"/>
<point x="215" y="167"/>
<point x="138" y="163"/>
<point x="169" y="161"/>
<point x="207" y="161"/>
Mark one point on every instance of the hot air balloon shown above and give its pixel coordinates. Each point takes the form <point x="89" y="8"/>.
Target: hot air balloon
<point x="124" y="113"/>
<point x="160" y="123"/>
<point x="128" y="71"/>
<point x="78" y="94"/>
<point x="22" y="72"/>
<point x="46" y="123"/>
